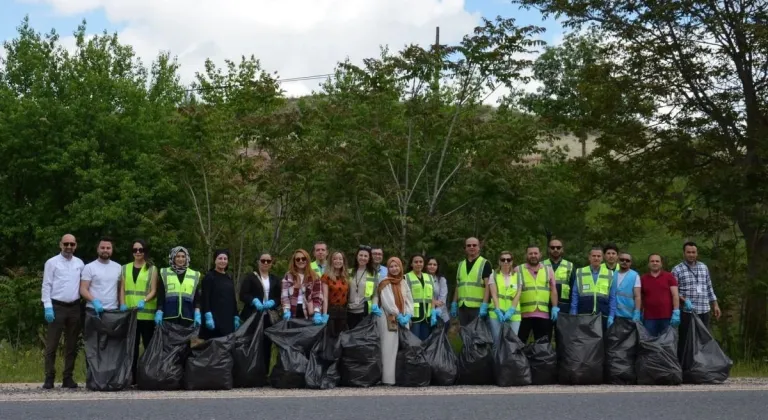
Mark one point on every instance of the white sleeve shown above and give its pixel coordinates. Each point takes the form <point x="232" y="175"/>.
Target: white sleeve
<point x="387" y="302"/>
<point x="408" y="299"/>
<point x="45" y="293"/>
<point x="86" y="274"/>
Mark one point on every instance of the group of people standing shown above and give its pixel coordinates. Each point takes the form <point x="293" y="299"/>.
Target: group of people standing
<point x="329" y="290"/>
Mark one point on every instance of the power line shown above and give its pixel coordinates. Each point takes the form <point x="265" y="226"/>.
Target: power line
<point x="288" y="80"/>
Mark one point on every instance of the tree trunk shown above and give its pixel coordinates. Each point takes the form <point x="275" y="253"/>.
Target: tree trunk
<point x="755" y="329"/>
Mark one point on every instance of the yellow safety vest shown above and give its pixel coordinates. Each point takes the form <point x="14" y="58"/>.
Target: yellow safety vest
<point x="471" y="286"/>
<point x="421" y="295"/>
<point x="563" y="278"/>
<point x="587" y="286"/>
<point x="535" y="295"/>
<point x="506" y="294"/>
<point x="138" y="290"/>
<point x="370" y="285"/>
<point x="316" y="268"/>
<point x="179" y="296"/>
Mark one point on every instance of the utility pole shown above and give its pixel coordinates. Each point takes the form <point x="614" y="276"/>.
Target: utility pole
<point x="438" y="63"/>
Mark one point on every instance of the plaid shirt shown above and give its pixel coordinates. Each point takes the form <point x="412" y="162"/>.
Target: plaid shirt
<point x="695" y="284"/>
<point x="311" y="292"/>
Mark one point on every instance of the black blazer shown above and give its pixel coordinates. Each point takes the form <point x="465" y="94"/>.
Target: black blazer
<point x="250" y="287"/>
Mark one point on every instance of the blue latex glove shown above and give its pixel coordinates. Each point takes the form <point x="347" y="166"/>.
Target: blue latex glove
<point x="48" y="313"/>
<point x="97" y="306"/>
<point x="688" y="305"/>
<point x="209" y="321"/>
<point x="317" y="319"/>
<point x="408" y="317"/>
<point x="402" y="320"/>
<point x="257" y="304"/>
<point x="554" y="313"/>
<point x="499" y="314"/>
<point x="286" y="314"/>
<point x="636" y="316"/>
<point x="376" y="310"/>
<point x="437" y="311"/>
<point x="484" y="310"/>
<point x="454" y="310"/>
<point x="123" y="307"/>
<point x="140" y="305"/>
<point x="159" y="318"/>
<point x="675" y="320"/>
<point x="197" y="318"/>
<point x="433" y="319"/>
<point x="325" y="318"/>
<point x="610" y="321"/>
<point x="509" y="314"/>
<point x="269" y="304"/>
<point x="237" y="322"/>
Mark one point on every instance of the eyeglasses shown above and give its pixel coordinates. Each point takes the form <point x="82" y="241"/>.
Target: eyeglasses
<point x="138" y="250"/>
<point x="300" y="259"/>
<point x="505" y="260"/>
<point x="624" y="260"/>
<point x="555" y="248"/>
<point x="266" y="261"/>
<point x="69" y="243"/>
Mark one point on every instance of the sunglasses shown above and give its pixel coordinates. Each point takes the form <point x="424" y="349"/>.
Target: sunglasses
<point x="69" y="244"/>
<point x="624" y="260"/>
<point x="365" y="247"/>
<point x="138" y="250"/>
<point x="300" y="259"/>
<point x="265" y="261"/>
<point x="555" y="247"/>
<point x="505" y="260"/>
<point x="471" y="245"/>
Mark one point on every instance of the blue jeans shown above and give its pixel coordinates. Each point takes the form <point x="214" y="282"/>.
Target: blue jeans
<point x="656" y="326"/>
<point x="495" y="325"/>
<point x="421" y="329"/>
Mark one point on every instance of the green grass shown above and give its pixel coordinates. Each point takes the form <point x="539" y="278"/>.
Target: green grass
<point x="750" y="369"/>
<point x="28" y="365"/>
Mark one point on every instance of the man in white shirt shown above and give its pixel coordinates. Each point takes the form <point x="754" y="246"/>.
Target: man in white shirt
<point x="99" y="284"/>
<point x="60" y="295"/>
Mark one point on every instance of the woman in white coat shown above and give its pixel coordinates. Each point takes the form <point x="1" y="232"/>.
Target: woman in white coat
<point x="395" y="300"/>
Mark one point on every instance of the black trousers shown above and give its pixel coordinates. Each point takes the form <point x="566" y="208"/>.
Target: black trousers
<point x="685" y="323"/>
<point x="467" y="315"/>
<point x="541" y="327"/>
<point x="144" y="331"/>
<point x="67" y="321"/>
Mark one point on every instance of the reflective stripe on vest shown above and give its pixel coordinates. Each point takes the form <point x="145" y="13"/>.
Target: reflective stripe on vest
<point x="506" y="294"/>
<point x="471" y="287"/>
<point x="563" y="277"/>
<point x="588" y="287"/>
<point x="535" y="295"/>
<point x="625" y="294"/>
<point x="421" y="295"/>
<point x="138" y="290"/>
<point x="179" y="296"/>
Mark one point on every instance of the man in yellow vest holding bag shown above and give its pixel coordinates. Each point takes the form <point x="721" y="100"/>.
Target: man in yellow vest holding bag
<point x="591" y="292"/>
<point x="539" y="293"/>
<point x="471" y="277"/>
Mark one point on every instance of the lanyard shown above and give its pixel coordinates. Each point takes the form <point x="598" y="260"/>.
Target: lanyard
<point x="695" y="276"/>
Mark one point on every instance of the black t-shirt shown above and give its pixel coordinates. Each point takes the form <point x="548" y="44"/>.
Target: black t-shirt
<point x="486" y="270"/>
<point x="136" y="271"/>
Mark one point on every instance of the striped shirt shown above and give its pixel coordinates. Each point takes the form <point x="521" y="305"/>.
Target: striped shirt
<point x="695" y="285"/>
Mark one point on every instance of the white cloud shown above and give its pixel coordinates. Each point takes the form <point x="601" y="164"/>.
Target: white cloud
<point x="293" y="37"/>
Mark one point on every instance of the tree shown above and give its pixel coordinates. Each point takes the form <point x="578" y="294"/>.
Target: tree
<point x="685" y="92"/>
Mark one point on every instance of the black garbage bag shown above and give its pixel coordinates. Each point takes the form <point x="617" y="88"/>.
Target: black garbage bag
<point x="511" y="367"/>
<point x="209" y="364"/>
<point x="161" y="367"/>
<point x="702" y="359"/>
<point x="543" y="361"/>
<point x="250" y="368"/>
<point x="322" y="368"/>
<point x="621" y="352"/>
<point x="441" y="357"/>
<point x="294" y="340"/>
<point x="476" y="357"/>
<point x="411" y="367"/>
<point x="360" y="363"/>
<point x="109" y="344"/>
<point x="583" y="353"/>
<point x="657" y="358"/>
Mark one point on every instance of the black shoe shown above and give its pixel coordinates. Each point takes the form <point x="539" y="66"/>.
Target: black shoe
<point x="48" y="384"/>
<point x="69" y="383"/>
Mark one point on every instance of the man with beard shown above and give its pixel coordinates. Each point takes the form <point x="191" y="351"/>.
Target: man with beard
<point x="538" y="300"/>
<point x="100" y="281"/>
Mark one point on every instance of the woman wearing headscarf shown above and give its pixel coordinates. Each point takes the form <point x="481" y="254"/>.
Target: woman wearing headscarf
<point x="219" y="303"/>
<point x="302" y="292"/>
<point x="394" y="297"/>
<point x="440" y="292"/>
<point x="335" y="294"/>
<point x="178" y="294"/>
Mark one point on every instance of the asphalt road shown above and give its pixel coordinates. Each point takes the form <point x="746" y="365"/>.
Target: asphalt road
<point x="707" y="404"/>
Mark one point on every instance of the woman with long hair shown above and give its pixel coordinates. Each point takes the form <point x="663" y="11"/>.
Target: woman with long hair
<point x="362" y="284"/>
<point x="396" y="301"/>
<point x="440" y="292"/>
<point x="335" y="294"/>
<point x="259" y="291"/>
<point x="138" y="289"/>
<point x="219" y="301"/>
<point x="505" y="287"/>
<point x="302" y="292"/>
<point x="422" y="289"/>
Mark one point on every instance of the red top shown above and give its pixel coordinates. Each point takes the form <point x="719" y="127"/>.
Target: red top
<point x="657" y="298"/>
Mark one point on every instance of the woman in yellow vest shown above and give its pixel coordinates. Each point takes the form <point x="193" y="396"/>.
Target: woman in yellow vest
<point x="138" y="288"/>
<point x="505" y="287"/>
<point x="422" y="289"/>
<point x="178" y="291"/>
<point x="362" y="282"/>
